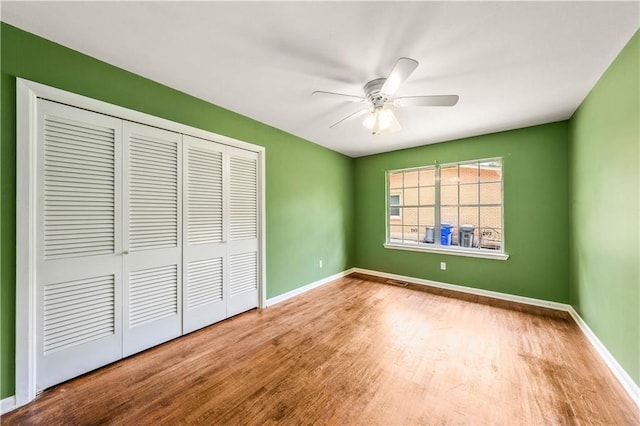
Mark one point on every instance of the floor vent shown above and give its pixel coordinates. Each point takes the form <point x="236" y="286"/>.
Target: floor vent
<point x="398" y="283"/>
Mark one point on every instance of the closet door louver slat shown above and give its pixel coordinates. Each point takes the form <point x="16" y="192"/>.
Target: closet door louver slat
<point x="243" y="196"/>
<point x="243" y="273"/>
<point x="204" y="199"/>
<point x="77" y="312"/>
<point x="153" y="189"/>
<point x="78" y="190"/>
<point x="204" y="282"/>
<point x="153" y="294"/>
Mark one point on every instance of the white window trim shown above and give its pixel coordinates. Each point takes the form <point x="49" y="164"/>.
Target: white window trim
<point x="27" y="93"/>
<point x="460" y="251"/>
<point x="437" y="248"/>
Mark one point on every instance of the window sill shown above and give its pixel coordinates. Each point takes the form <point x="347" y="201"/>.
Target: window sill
<point x="450" y="251"/>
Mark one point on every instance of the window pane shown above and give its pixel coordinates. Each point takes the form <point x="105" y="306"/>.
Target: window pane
<point x="469" y="173"/>
<point x="394" y="200"/>
<point x="491" y="193"/>
<point x="449" y="215"/>
<point x="490" y="238"/>
<point x="410" y="216"/>
<point x="469" y="216"/>
<point x="491" y="217"/>
<point x="395" y="233"/>
<point x="491" y="171"/>
<point x="449" y="195"/>
<point x="426" y="224"/>
<point x="427" y="195"/>
<point x="469" y="194"/>
<point x="427" y="177"/>
<point x="427" y="216"/>
<point x="395" y="180"/>
<point x="411" y="179"/>
<point x="394" y="212"/>
<point x="411" y="234"/>
<point x="410" y="197"/>
<point x="395" y="197"/>
<point x="449" y="175"/>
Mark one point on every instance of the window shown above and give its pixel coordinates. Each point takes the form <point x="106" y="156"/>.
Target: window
<point x="394" y="202"/>
<point x="450" y="207"/>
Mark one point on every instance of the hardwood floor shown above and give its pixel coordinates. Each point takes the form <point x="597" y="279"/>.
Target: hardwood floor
<point x="355" y="351"/>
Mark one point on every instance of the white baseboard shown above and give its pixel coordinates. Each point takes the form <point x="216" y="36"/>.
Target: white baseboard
<point x="300" y="290"/>
<point x="7" y="404"/>
<point x="470" y="290"/>
<point x="625" y="380"/>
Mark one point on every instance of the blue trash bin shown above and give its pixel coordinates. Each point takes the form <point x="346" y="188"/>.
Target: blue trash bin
<point x="445" y="234"/>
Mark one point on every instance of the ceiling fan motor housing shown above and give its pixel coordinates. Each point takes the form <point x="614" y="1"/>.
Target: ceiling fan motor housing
<point x="372" y="92"/>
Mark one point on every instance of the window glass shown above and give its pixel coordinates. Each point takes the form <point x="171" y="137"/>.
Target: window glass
<point x="491" y="193"/>
<point x="394" y="201"/>
<point x="427" y="176"/>
<point x="449" y="195"/>
<point x="395" y="180"/>
<point x="427" y="195"/>
<point x="469" y="173"/>
<point x="410" y="197"/>
<point x="469" y="193"/>
<point x="411" y="179"/>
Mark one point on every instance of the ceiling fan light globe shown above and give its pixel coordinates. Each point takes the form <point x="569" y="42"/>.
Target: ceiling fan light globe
<point x="381" y="120"/>
<point x="385" y="119"/>
<point x="368" y="121"/>
<point x="376" y="122"/>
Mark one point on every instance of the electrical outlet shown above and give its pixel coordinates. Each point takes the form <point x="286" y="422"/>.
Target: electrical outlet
<point x="443" y="266"/>
<point x="320" y="263"/>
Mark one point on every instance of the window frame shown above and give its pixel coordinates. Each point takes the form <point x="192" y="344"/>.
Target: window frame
<point x="436" y="247"/>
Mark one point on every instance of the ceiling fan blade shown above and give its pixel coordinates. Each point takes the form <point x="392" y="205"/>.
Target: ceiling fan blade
<point x="430" y="101"/>
<point x="401" y="71"/>
<point x="342" y="96"/>
<point x="350" y="117"/>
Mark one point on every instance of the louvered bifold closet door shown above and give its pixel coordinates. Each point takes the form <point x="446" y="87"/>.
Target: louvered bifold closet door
<point x="152" y="261"/>
<point x="78" y="227"/>
<point x="244" y="229"/>
<point x="204" y="248"/>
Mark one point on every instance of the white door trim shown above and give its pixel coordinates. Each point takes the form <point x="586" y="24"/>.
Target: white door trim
<point x="26" y="173"/>
<point x="27" y="93"/>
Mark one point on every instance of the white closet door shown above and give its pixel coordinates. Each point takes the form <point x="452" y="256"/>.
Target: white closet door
<point x="204" y="248"/>
<point x="242" y="245"/>
<point x="152" y="261"/>
<point x="78" y="228"/>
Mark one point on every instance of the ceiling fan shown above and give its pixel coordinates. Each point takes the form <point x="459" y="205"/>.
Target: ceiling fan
<point x="379" y="94"/>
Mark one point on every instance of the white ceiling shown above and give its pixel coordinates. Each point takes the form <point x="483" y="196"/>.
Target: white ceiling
<point x="513" y="64"/>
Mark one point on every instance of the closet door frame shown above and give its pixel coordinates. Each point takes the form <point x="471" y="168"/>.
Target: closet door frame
<point x="27" y="94"/>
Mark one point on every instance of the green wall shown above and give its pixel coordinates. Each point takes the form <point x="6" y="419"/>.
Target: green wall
<point x="536" y="214"/>
<point x="604" y="154"/>
<point x="309" y="203"/>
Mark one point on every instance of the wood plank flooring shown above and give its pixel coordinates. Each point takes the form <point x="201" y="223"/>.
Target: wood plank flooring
<point x="355" y="351"/>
